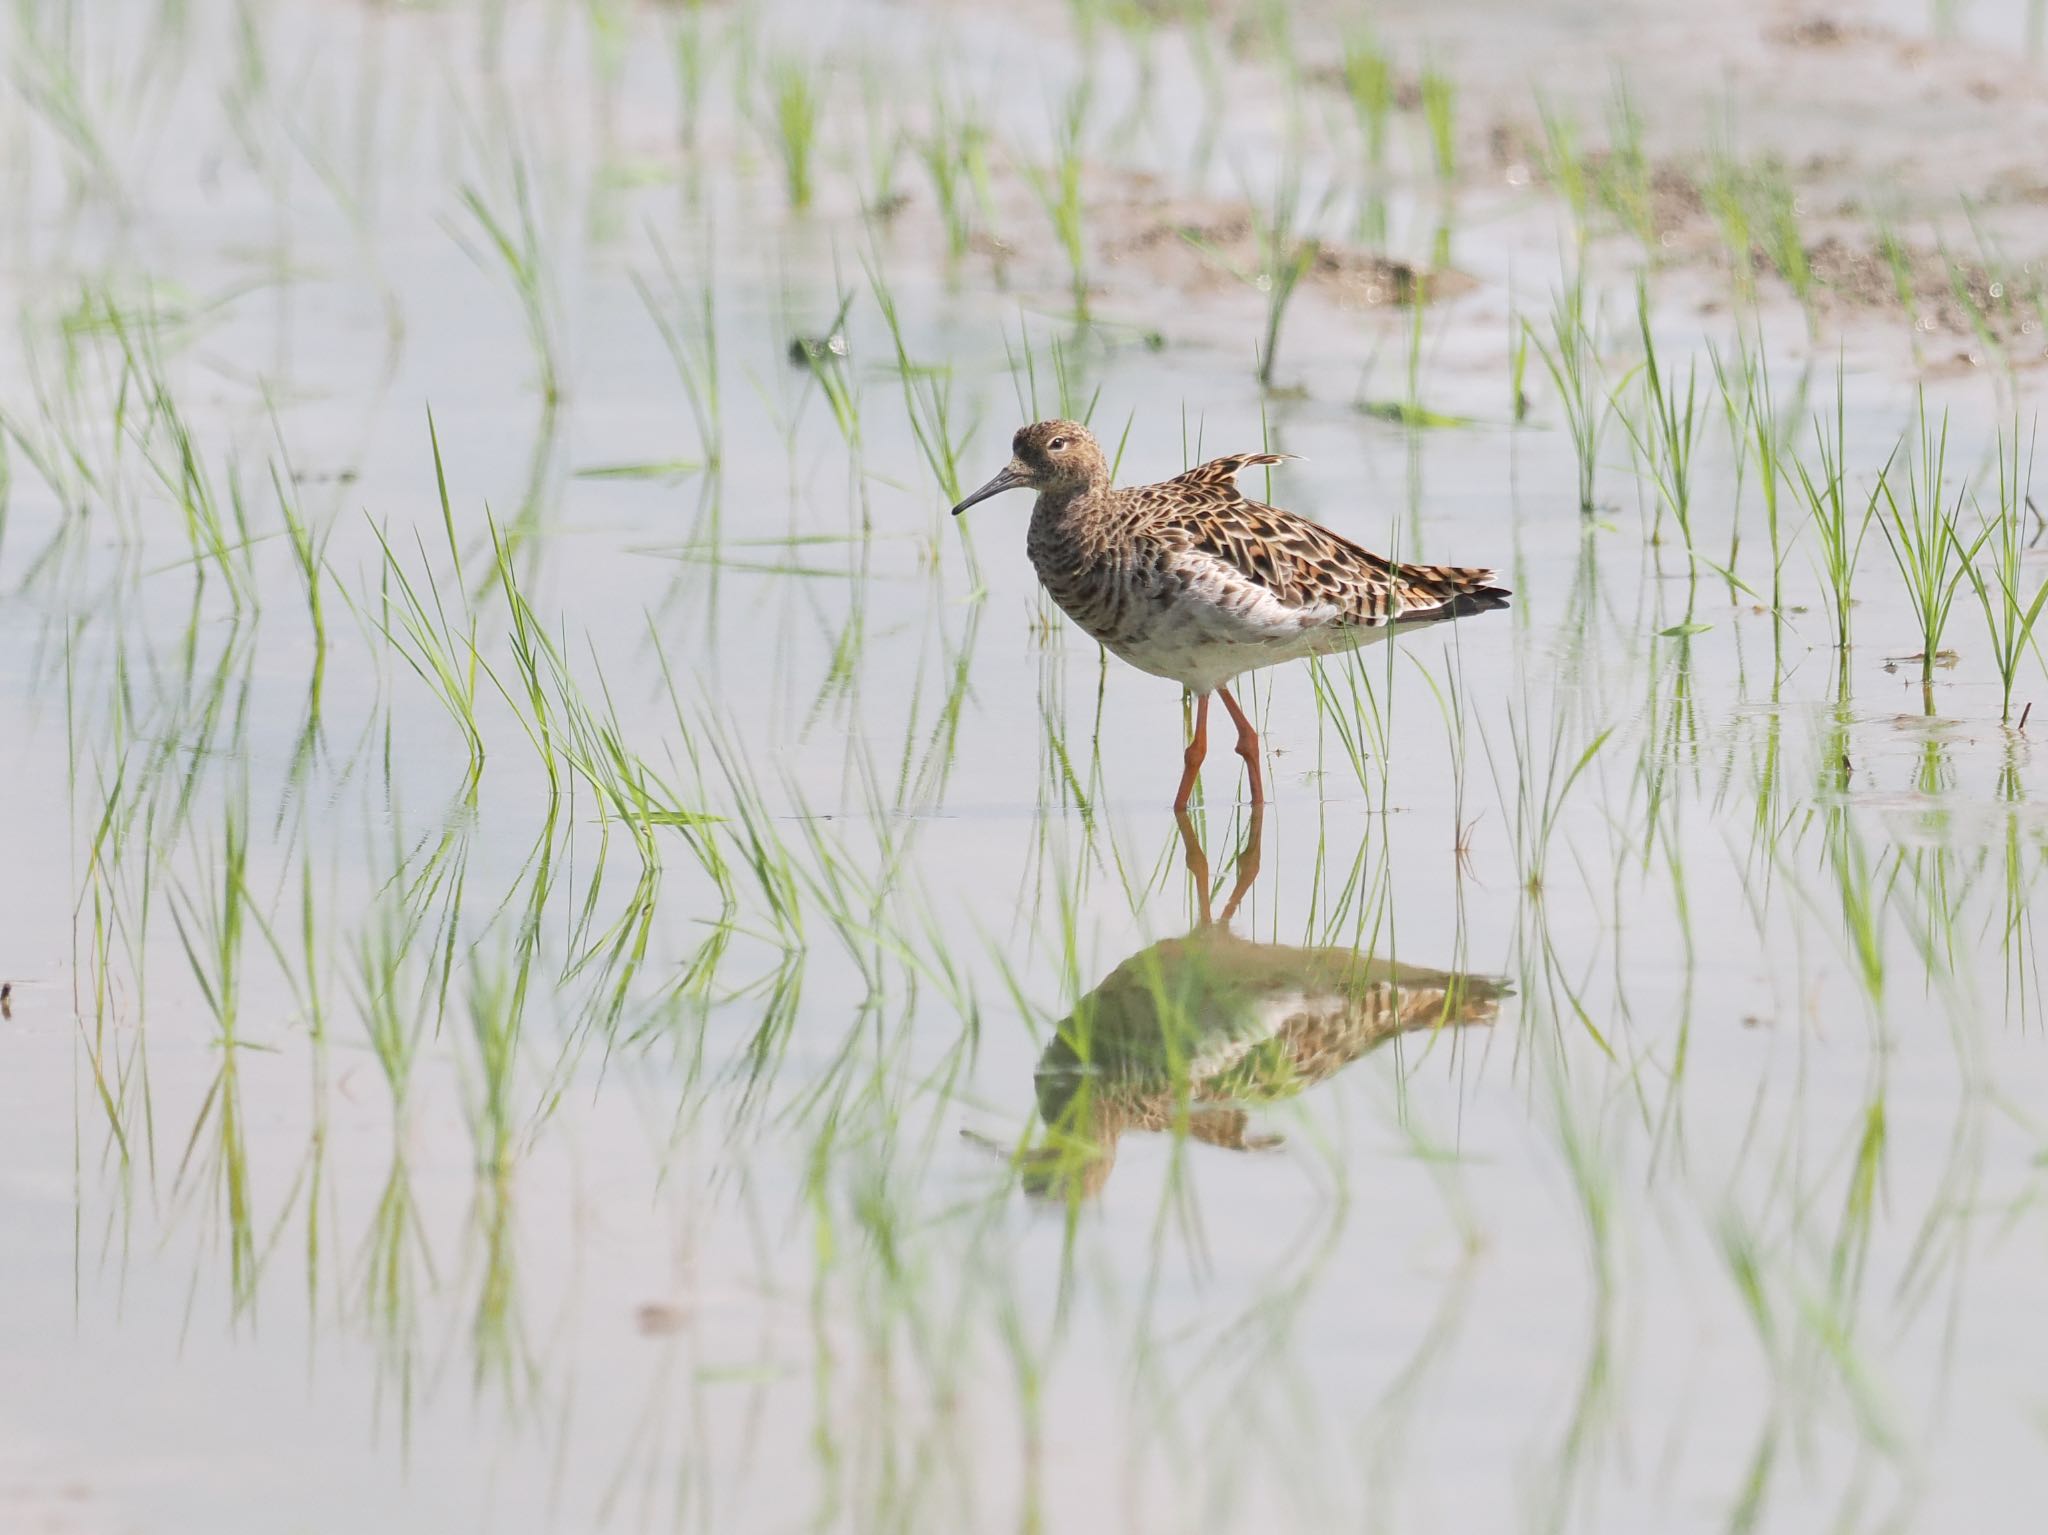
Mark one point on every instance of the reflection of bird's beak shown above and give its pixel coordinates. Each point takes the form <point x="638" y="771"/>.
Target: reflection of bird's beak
<point x="1010" y="478"/>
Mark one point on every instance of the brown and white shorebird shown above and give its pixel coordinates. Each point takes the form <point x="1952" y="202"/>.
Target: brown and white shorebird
<point x="1192" y="580"/>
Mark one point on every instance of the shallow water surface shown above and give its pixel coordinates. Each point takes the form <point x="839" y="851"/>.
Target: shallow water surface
<point x="582" y="956"/>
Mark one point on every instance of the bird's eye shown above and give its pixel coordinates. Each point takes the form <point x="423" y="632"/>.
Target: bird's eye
<point x="1057" y="443"/>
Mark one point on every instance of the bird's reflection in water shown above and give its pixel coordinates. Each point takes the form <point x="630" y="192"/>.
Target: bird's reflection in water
<point x="1190" y="1034"/>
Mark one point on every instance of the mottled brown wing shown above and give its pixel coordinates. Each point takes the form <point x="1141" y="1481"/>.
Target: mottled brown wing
<point x="1221" y="473"/>
<point x="1306" y="566"/>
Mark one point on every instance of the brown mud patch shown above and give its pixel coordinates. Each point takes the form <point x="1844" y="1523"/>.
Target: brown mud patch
<point x="1824" y="31"/>
<point x="1939" y="292"/>
<point x="1200" y="247"/>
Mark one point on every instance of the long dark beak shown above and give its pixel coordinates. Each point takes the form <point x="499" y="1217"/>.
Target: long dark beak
<point x="1009" y="479"/>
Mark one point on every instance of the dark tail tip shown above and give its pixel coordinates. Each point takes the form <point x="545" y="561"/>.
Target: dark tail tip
<point x="1483" y="599"/>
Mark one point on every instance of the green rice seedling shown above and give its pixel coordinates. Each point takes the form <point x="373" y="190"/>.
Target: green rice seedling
<point x="794" y="107"/>
<point x="1369" y="81"/>
<point x="1140" y="35"/>
<point x="309" y="554"/>
<point x="1090" y="16"/>
<point x="590" y="741"/>
<point x="245" y="94"/>
<point x="496" y="1016"/>
<point x="1735" y="416"/>
<point x="609" y="30"/>
<point x="1671" y="738"/>
<point x="954" y="156"/>
<point x="1767" y="781"/>
<point x="1898" y="261"/>
<point x="216" y="543"/>
<point x="976" y="141"/>
<point x="442" y="653"/>
<point x="1450" y="699"/>
<point x="104" y="882"/>
<point x="1778" y="233"/>
<point x="1583" y="1140"/>
<point x="394" y="1267"/>
<point x="702" y="836"/>
<point x="1726" y="193"/>
<point x="1439" y="115"/>
<point x="593" y="741"/>
<point x="1564" y="166"/>
<point x="46" y="75"/>
<point x="1067" y="399"/>
<point x="501" y="1355"/>
<point x="928" y="400"/>
<point x="1997" y="297"/>
<point x="883" y="144"/>
<point x="1409" y="411"/>
<point x="2019" y="942"/>
<point x="1440" y="238"/>
<point x="828" y="367"/>
<point x="1373" y="226"/>
<point x="1825" y="1339"/>
<point x="1518" y="366"/>
<point x="1624" y="181"/>
<point x="219" y="537"/>
<point x="211" y="928"/>
<point x="926" y="772"/>
<point x="1059" y="189"/>
<point x="1767" y="443"/>
<point x="755" y="832"/>
<point x="2010" y="613"/>
<point x="1350" y="704"/>
<point x="535" y="664"/>
<point x="394" y="1031"/>
<point x="694" y="352"/>
<point x="519" y="249"/>
<point x="1207" y="53"/>
<point x="66" y="475"/>
<point x="1573" y="361"/>
<point x="1274" y="24"/>
<point x="1668" y="439"/>
<point x="1287" y="250"/>
<point x="742" y="40"/>
<point x="669" y="471"/>
<point x="691" y="55"/>
<point x="1541" y="788"/>
<point x="1926" y="542"/>
<point x="1840" y="528"/>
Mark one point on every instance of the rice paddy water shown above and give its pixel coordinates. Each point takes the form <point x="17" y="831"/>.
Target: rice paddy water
<point x="581" y="956"/>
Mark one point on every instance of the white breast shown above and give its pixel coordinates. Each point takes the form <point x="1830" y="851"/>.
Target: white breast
<point x="1221" y="623"/>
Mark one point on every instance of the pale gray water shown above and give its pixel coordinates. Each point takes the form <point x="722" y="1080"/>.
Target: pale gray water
<point x="1723" y="1219"/>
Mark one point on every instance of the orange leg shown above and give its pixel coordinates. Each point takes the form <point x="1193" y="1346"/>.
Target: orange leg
<point x="1247" y="746"/>
<point x="1197" y="750"/>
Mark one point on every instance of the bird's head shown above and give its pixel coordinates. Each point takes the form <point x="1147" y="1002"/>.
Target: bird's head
<point x="1060" y="456"/>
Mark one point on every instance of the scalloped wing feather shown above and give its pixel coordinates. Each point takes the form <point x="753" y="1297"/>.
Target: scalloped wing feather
<point x="1221" y="473"/>
<point x="1322" y="576"/>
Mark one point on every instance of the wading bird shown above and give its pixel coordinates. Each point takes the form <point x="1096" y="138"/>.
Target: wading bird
<point x="1192" y="580"/>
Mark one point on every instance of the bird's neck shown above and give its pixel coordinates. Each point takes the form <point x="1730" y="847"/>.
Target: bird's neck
<point x="1070" y="512"/>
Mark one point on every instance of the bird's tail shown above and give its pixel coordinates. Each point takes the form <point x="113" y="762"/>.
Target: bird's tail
<point x="1431" y="593"/>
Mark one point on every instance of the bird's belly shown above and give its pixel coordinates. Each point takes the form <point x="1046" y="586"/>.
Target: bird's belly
<point x="1199" y="634"/>
<point x="1203" y="643"/>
